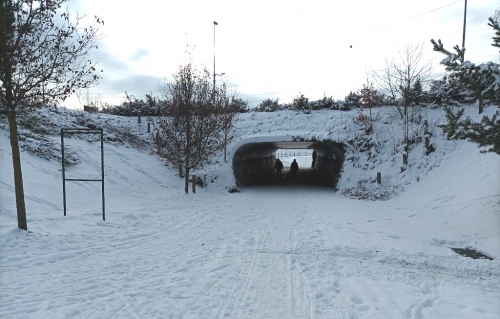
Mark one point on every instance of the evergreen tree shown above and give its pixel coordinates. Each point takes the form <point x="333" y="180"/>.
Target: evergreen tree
<point x="351" y="101"/>
<point x="485" y="133"/>
<point x="301" y="103"/>
<point x="447" y="90"/>
<point x="417" y="92"/>
<point x="324" y="103"/>
<point x="482" y="80"/>
<point x="452" y="128"/>
<point x="496" y="26"/>
<point x="238" y="105"/>
<point x="268" y="105"/>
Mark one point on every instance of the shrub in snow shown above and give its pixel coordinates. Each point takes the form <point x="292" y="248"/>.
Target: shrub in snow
<point x="350" y="101"/>
<point x="301" y="103"/>
<point x="238" y="105"/>
<point x="133" y="106"/>
<point x="324" y="103"/>
<point x="370" y="190"/>
<point x="268" y="105"/>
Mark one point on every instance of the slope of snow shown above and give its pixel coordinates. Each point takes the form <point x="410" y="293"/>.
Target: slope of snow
<point x="283" y="252"/>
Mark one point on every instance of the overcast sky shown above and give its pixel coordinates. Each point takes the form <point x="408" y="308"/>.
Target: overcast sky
<point x="271" y="49"/>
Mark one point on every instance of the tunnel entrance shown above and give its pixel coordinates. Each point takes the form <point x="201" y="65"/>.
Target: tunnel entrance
<point x="253" y="163"/>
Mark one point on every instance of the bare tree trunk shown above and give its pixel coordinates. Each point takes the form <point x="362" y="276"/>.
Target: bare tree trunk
<point x="18" y="175"/>
<point x="481" y="100"/>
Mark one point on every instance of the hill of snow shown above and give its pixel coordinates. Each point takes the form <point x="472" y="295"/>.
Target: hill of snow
<point x="283" y="252"/>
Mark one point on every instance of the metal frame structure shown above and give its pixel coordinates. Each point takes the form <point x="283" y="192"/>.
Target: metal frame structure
<point x="82" y="131"/>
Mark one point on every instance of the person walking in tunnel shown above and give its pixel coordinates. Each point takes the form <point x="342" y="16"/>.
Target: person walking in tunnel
<point x="294" y="168"/>
<point x="278" y="167"/>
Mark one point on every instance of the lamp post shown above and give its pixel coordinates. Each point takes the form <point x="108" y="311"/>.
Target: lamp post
<point x="463" y="38"/>
<point x="215" y="23"/>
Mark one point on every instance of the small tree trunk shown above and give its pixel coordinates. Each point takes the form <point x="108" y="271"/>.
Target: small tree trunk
<point x="481" y="100"/>
<point x="18" y="175"/>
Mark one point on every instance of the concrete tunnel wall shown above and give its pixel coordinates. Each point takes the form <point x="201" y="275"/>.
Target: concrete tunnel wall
<point x="254" y="160"/>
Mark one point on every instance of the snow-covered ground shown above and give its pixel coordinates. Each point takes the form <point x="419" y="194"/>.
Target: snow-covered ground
<point x="283" y="252"/>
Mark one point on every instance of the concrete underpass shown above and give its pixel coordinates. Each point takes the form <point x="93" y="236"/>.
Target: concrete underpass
<point x="253" y="164"/>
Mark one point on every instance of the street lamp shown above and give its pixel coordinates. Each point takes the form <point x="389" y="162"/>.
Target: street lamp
<point x="215" y="23"/>
<point x="463" y="37"/>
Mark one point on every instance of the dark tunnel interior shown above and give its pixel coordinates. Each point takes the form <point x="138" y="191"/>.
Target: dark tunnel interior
<point x="253" y="164"/>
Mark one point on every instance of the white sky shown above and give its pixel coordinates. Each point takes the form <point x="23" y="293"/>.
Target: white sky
<point x="273" y="49"/>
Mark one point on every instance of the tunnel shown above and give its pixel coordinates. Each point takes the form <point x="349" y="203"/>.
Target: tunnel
<point x="253" y="163"/>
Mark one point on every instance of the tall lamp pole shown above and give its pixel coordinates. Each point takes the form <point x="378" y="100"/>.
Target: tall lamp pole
<point x="463" y="38"/>
<point x="215" y="23"/>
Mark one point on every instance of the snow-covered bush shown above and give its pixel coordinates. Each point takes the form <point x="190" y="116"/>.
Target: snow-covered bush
<point x="351" y="101"/>
<point x="301" y="104"/>
<point x="447" y="91"/>
<point x="268" y="105"/>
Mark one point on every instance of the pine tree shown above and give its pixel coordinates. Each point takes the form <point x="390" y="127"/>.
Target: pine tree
<point x="351" y="100"/>
<point x="301" y="103"/>
<point x="485" y="133"/>
<point x="496" y="26"/>
<point x="417" y="92"/>
<point x="452" y="128"/>
<point x="482" y="80"/>
<point x="447" y="90"/>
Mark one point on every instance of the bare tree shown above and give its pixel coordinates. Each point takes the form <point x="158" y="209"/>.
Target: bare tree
<point x="399" y="81"/>
<point x="43" y="58"/>
<point x="192" y="131"/>
<point x="370" y="98"/>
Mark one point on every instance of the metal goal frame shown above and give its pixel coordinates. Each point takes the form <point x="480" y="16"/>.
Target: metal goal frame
<point x="82" y="131"/>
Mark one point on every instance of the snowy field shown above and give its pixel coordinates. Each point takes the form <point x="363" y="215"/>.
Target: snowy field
<point x="283" y="252"/>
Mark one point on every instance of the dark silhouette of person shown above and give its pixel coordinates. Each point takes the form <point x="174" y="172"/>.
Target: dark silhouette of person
<point x="278" y="167"/>
<point x="314" y="158"/>
<point x="294" y="168"/>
